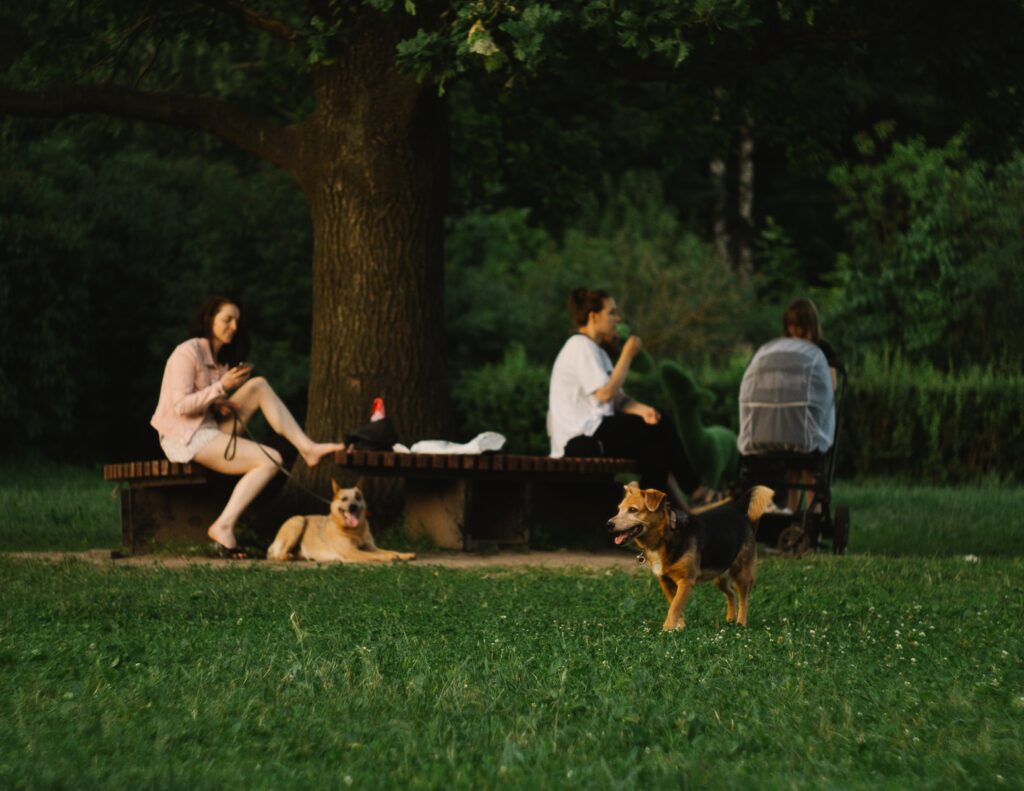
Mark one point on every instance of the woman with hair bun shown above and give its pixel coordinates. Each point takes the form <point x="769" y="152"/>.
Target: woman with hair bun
<point x="590" y="415"/>
<point x="194" y="419"/>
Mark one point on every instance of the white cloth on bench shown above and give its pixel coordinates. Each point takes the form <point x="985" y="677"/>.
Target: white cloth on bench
<point x="481" y="443"/>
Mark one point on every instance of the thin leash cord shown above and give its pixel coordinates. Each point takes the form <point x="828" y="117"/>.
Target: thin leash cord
<point x="232" y="448"/>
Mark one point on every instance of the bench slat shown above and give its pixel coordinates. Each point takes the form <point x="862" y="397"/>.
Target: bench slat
<point x="445" y="464"/>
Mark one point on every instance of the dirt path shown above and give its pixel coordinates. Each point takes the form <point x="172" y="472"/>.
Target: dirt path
<point x="456" y="560"/>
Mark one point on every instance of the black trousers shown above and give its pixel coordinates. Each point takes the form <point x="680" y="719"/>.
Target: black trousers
<point x="657" y="449"/>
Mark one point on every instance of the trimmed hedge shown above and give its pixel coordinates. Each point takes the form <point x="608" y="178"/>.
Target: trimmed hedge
<point x="921" y="423"/>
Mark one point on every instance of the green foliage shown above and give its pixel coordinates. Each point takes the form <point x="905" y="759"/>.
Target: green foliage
<point x="509" y="281"/>
<point x="519" y="39"/>
<point x="509" y="397"/>
<point x="911" y="420"/>
<point x="487" y="301"/>
<point x="936" y="261"/>
<point x="93" y="297"/>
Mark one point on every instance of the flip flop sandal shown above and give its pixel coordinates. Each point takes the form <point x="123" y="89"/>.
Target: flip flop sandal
<point x="229" y="553"/>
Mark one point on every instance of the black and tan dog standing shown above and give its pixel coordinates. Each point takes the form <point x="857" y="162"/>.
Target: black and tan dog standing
<point x="683" y="549"/>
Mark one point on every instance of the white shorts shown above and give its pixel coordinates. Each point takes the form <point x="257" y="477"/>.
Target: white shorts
<point x="176" y="451"/>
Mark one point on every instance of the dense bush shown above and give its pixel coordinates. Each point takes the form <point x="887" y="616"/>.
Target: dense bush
<point x="935" y="266"/>
<point x="510" y="397"/>
<point x="508" y="281"/>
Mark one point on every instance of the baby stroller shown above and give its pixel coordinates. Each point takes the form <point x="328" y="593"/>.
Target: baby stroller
<point x="789" y="418"/>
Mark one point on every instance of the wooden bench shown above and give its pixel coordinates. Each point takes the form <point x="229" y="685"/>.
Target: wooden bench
<point x="460" y="502"/>
<point x="155" y="511"/>
<point x="465" y="501"/>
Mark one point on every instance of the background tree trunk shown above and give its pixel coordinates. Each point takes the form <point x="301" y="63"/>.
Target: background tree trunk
<point x="745" y="201"/>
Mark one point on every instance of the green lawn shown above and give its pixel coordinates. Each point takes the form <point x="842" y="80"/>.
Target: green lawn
<point x="897" y="666"/>
<point x="854" y="672"/>
<point x="896" y="519"/>
<point x="49" y="506"/>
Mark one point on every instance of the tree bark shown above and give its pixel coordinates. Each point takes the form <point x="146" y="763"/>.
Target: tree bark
<point x="717" y="173"/>
<point x="374" y="170"/>
<point x="745" y="207"/>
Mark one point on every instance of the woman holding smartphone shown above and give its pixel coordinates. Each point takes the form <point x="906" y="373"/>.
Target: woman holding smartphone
<point x="205" y="380"/>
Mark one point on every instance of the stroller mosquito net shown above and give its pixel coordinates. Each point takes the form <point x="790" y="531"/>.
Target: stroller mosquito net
<point x="786" y="400"/>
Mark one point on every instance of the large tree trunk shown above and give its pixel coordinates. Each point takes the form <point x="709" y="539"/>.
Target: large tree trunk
<point x="374" y="170"/>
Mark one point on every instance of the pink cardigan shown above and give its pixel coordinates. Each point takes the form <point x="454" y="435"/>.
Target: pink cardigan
<point x="191" y="383"/>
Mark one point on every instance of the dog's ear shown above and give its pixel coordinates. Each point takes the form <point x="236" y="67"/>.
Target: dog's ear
<point x="631" y="487"/>
<point x="653" y="499"/>
<point x="334" y="487"/>
<point x="360" y="482"/>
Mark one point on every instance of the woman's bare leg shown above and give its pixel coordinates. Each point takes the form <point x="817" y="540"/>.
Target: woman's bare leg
<point x="256" y="466"/>
<point x="258" y="394"/>
<point x="805" y="477"/>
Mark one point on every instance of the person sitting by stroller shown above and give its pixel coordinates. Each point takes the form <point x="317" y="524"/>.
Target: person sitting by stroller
<point x="787" y="396"/>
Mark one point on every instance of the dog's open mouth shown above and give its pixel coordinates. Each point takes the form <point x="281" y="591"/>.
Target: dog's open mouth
<point x="626" y="535"/>
<point x="351" y="520"/>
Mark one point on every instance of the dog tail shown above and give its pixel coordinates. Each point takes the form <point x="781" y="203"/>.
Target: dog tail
<point x="759" y="500"/>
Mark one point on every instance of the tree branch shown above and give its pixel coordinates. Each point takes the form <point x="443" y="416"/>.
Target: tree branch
<point x="274" y="27"/>
<point x="268" y="141"/>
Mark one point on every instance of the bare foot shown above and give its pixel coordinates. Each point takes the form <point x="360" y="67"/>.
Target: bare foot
<point x="318" y="450"/>
<point x="224" y="536"/>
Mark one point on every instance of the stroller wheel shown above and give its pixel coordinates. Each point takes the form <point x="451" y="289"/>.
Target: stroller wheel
<point x="794" y="540"/>
<point x="841" y="530"/>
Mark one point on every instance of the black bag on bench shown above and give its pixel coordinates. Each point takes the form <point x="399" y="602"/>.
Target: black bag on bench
<point x="377" y="435"/>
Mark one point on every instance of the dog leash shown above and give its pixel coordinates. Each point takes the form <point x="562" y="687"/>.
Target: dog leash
<point x="232" y="448"/>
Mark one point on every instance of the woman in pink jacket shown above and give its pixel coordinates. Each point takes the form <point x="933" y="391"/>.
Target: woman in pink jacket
<point x="194" y="422"/>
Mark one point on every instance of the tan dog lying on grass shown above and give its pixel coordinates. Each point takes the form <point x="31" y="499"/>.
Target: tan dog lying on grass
<point x="343" y="535"/>
<point x="684" y="549"/>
